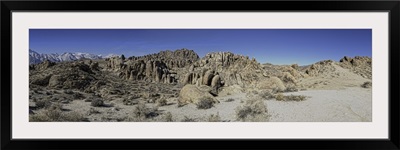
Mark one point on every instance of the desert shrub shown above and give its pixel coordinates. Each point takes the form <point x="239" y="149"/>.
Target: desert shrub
<point x="72" y="117"/>
<point x="40" y="117"/>
<point x="253" y="110"/>
<point x="228" y="93"/>
<point x="162" y="102"/>
<point x="141" y="112"/>
<point x="291" y="89"/>
<point x="44" y="103"/>
<point x="214" y="118"/>
<point x="78" y="95"/>
<point x="254" y="92"/>
<point x="167" y="117"/>
<point x="48" y="93"/>
<point x="47" y="115"/>
<point x="187" y="119"/>
<point x="68" y="92"/>
<point x="56" y="115"/>
<point x="93" y="111"/>
<point x="266" y="95"/>
<point x="295" y="98"/>
<point x="181" y="104"/>
<point x="281" y="97"/>
<point x="205" y="103"/>
<point x="367" y="84"/>
<point x="230" y="100"/>
<point x="97" y="103"/>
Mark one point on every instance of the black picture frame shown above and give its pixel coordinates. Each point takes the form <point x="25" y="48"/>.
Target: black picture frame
<point x="393" y="7"/>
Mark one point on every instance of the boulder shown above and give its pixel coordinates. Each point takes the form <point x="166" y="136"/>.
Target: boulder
<point x="271" y="83"/>
<point x="191" y="94"/>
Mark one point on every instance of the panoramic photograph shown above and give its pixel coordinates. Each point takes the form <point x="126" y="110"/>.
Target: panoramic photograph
<point x="200" y="75"/>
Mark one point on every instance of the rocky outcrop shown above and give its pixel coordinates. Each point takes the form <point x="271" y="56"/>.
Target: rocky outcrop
<point x="154" y="67"/>
<point x="273" y="83"/>
<point x="192" y="94"/>
<point x="320" y="68"/>
<point x="359" y="65"/>
<point x="224" y="69"/>
<point x="65" y="75"/>
<point x="42" y="66"/>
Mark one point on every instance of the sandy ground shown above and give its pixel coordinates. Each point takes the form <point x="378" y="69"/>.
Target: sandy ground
<point x="352" y="104"/>
<point x="348" y="105"/>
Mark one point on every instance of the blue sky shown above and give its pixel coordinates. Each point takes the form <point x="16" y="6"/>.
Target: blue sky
<point x="276" y="46"/>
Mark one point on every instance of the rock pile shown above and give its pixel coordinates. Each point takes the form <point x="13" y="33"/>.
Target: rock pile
<point x="223" y="68"/>
<point x="75" y="75"/>
<point x="359" y="65"/>
<point x="324" y="67"/>
<point x="154" y="67"/>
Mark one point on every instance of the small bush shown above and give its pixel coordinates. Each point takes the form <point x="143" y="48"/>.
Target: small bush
<point x="56" y="116"/>
<point x="367" y="84"/>
<point x="68" y="92"/>
<point x="228" y="93"/>
<point x="205" y="103"/>
<point x="230" y="100"/>
<point x="291" y="89"/>
<point x="162" y="102"/>
<point x="168" y="117"/>
<point x="78" y="95"/>
<point x="72" y="117"/>
<point x="295" y="98"/>
<point x="253" y="110"/>
<point x="43" y="103"/>
<point x="281" y="97"/>
<point x="93" y="111"/>
<point x="187" y="119"/>
<point x="181" y="104"/>
<point x="97" y="103"/>
<point x="214" y="118"/>
<point x="141" y="112"/>
<point x="266" y="95"/>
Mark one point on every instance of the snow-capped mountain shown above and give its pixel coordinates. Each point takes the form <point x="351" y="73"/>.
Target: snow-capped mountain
<point x="35" y="57"/>
<point x="111" y="55"/>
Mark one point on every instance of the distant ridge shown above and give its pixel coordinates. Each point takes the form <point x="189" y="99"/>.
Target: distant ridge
<point x="35" y="57"/>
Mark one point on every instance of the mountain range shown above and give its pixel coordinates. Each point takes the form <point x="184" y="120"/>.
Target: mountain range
<point x="35" y="57"/>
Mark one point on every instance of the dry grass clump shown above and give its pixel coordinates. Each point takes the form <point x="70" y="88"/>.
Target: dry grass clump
<point x="68" y="92"/>
<point x="187" y="119"/>
<point x="214" y="118"/>
<point x="78" y="95"/>
<point x="266" y="95"/>
<point x="162" y="102"/>
<point x="253" y="110"/>
<point x="97" y="103"/>
<point x="167" y="117"/>
<point x="55" y="114"/>
<point x="93" y="111"/>
<point x="281" y="97"/>
<point x="44" y="103"/>
<point x="205" y="103"/>
<point x="291" y="89"/>
<point x="141" y="112"/>
<point x="367" y="84"/>
<point x="230" y="100"/>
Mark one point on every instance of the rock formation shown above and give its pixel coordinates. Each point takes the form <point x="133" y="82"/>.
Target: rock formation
<point x="359" y="65"/>
<point x="154" y="67"/>
<point x="192" y="94"/>
<point x="320" y="68"/>
<point x="223" y="69"/>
